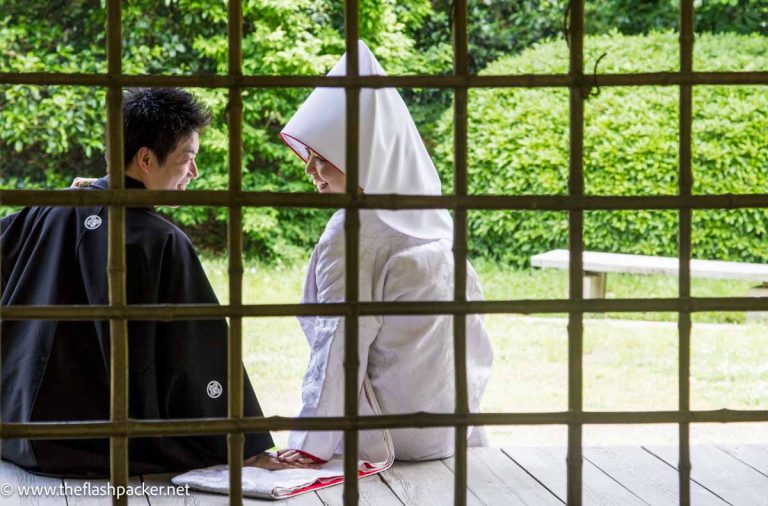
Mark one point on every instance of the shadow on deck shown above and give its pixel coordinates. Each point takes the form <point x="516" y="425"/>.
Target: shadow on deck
<point x="630" y="475"/>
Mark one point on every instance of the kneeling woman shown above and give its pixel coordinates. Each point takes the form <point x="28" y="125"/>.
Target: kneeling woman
<point x="406" y="362"/>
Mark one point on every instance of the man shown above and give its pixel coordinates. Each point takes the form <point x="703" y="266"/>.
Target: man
<point x="59" y="370"/>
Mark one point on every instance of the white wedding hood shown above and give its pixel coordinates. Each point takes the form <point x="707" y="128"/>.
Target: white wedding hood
<point x="392" y="156"/>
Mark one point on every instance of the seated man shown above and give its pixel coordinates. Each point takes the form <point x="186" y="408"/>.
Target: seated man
<point x="59" y="370"/>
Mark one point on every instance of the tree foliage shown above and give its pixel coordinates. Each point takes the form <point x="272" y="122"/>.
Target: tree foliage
<point x="711" y="16"/>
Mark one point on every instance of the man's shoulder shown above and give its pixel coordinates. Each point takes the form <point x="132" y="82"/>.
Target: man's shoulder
<point x="152" y="224"/>
<point x="151" y="220"/>
<point x="39" y="214"/>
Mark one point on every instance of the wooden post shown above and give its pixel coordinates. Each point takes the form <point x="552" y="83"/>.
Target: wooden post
<point x="758" y="291"/>
<point x="594" y="285"/>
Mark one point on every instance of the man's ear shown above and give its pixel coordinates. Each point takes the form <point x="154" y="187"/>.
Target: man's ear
<point x="145" y="160"/>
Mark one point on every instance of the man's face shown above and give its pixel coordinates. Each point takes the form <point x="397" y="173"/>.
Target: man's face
<point x="326" y="177"/>
<point x="179" y="167"/>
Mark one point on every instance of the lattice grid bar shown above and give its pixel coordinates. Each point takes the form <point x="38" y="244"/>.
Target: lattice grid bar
<point x="460" y="119"/>
<point x="235" y="249"/>
<point x="487" y="202"/>
<point x="576" y="248"/>
<point x="140" y="428"/>
<point x="400" y="81"/>
<point x="351" y="251"/>
<point x="536" y="306"/>
<point x="685" y="184"/>
<point x="118" y="327"/>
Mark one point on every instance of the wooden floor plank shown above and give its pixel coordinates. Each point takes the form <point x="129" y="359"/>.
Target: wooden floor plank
<point x="196" y="498"/>
<point x="495" y="479"/>
<point x="548" y="466"/>
<point x="99" y="487"/>
<point x="645" y="475"/>
<point x="424" y="483"/>
<point x="721" y="473"/>
<point x="308" y="499"/>
<point x="755" y="456"/>
<point x="614" y="475"/>
<point x="373" y="492"/>
<point x="12" y="477"/>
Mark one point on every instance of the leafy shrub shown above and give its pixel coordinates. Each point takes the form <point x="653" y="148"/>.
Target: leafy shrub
<point x="519" y="144"/>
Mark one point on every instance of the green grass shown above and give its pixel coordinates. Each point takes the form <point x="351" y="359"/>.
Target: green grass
<point x="627" y="365"/>
<point x="506" y="283"/>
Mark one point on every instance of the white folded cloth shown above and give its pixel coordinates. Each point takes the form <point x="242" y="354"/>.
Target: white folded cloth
<point x="280" y="484"/>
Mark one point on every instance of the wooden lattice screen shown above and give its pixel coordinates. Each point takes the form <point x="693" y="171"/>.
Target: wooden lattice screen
<point x="119" y="428"/>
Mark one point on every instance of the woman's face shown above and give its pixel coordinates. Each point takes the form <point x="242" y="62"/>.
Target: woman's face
<point x="326" y="177"/>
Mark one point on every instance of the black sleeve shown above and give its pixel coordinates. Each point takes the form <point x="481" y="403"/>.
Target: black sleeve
<point x="189" y="356"/>
<point x="11" y="235"/>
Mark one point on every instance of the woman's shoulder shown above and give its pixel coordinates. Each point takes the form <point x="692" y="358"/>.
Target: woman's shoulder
<point x="372" y="228"/>
<point x="334" y="229"/>
<point x="419" y="271"/>
<point x="337" y="220"/>
<point x="423" y="252"/>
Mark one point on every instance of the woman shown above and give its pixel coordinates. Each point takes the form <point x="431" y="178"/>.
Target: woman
<point x="406" y="362"/>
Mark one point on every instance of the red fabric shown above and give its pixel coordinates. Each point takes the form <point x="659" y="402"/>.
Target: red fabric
<point x="309" y="455"/>
<point x="333" y="481"/>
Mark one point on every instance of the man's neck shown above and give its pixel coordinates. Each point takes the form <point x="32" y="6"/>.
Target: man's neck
<point x="131" y="172"/>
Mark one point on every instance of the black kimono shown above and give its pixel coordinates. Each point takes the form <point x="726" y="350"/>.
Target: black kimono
<point x="59" y="370"/>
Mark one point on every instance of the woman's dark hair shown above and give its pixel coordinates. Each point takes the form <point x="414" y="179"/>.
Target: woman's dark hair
<point x="158" y="118"/>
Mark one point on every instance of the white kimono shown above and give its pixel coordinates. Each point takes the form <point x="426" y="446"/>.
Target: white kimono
<point x="407" y="359"/>
<point x="405" y="255"/>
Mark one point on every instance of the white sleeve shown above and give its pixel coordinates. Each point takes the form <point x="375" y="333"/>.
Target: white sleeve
<point x="323" y="386"/>
<point x="479" y="351"/>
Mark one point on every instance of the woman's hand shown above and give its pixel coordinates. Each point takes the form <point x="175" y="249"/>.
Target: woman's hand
<point x="270" y="462"/>
<point x="297" y="457"/>
<point x="83" y="182"/>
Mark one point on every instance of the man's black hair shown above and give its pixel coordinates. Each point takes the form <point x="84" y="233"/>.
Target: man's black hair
<point x="158" y="118"/>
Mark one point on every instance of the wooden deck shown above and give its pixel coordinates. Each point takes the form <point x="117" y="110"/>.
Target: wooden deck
<point x="721" y="475"/>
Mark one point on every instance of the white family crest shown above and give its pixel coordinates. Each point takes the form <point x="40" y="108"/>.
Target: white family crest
<point x="92" y="222"/>
<point x="214" y="389"/>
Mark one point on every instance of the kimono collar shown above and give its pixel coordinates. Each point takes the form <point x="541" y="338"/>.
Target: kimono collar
<point x="393" y="158"/>
<point x="130" y="184"/>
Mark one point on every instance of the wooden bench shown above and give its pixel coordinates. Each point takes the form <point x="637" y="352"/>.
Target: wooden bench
<point x="597" y="265"/>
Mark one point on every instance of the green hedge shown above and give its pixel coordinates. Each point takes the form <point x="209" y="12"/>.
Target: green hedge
<point x="519" y="144"/>
<point x="518" y="138"/>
